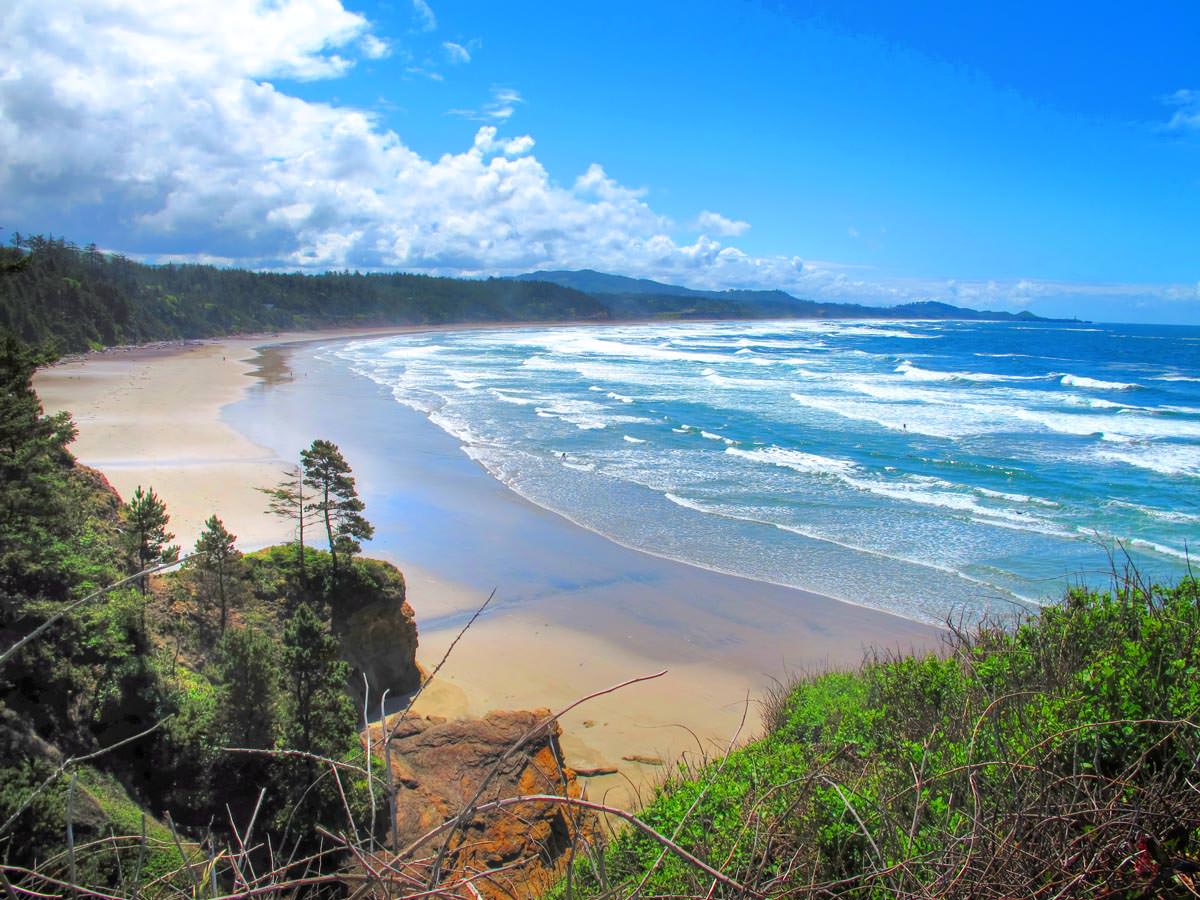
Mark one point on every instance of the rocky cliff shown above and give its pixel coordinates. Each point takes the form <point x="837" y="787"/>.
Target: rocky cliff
<point x="439" y="767"/>
<point x="377" y="630"/>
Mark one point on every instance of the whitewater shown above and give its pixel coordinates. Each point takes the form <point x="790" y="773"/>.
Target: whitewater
<point x="932" y="469"/>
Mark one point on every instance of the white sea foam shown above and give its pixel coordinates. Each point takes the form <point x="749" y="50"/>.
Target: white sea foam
<point x="411" y="352"/>
<point x="1015" y="498"/>
<point x="1095" y="384"/>
<point x="908" y="370"/>
<point x="897" y="393"/>
<point x="573" y="344"/>
<point x="1160" y="548"/>
<point x="1166" y="459"/>
<point x="1176" y="378"/>
<point x="729" y="442"/>
<point x="633" y="440"/>
<point x="941" y="421"/>
<point x="1165" y="515"/>
<point x="508" y="397"/>
<point x="797" y="460"/>
<point x="1120" y="426"/>
<point x="1094" y="402"/>
<point x="685" y="503"/>
<point x="872" y="331"/>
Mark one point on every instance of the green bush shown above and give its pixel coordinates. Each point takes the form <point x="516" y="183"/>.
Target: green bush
<point x="1035" y="759"/>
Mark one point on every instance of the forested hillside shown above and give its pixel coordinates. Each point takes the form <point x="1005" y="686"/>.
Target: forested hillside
<point x="81" y="299"/>
<point x="85" y="299"/>
<point x="120" y="695"/>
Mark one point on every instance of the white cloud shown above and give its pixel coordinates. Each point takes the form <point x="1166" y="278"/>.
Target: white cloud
<point x="156" y="131"/>
<point x="715" y="223"/>
<point x="374" y="47"/>
<point x="499" y="109"/>
<point x="1187" y="110"/>
<point x="423" y="13"/>
<point x="456" y="53"/>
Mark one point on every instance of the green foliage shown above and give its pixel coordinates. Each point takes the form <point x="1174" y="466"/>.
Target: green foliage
<point x="145" y="538"/>
<point x="289" y="501"/>
<point x="79" y="297"/>
<point x="217" y="567"/>
<point x="320" y="717"/>
<point x="248" y="672"/>
<point x="336" y="500"/>
<point x="1026" y="760"/>
<point x="36" y="526"/>
<point x="147" y="676"/>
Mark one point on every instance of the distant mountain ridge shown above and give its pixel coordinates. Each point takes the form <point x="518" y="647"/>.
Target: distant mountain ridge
<point x="53" y="291"/>
<point x="629" y="297"/>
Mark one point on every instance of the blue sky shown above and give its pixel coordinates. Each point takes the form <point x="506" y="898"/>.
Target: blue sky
<point x="1023" y="157"/>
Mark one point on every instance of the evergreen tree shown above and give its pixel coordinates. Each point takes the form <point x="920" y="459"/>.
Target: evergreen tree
<point x="247" y="665"/>
<point x="320" y="717"/>
<point x="289" y="501"/>
<point x="34" y="523"/>
<point x="328" y="474"/>
<point x="218" y="561"/>
<point x="145" y="537"/>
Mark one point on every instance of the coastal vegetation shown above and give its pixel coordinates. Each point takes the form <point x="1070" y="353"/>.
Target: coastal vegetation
<point x="1054" y="757"/>
<point x="140" y="713"/>
<point x="83" y="299"/>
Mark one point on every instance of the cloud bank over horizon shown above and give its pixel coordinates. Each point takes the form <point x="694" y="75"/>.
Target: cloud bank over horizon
<point x="161" y="129"/>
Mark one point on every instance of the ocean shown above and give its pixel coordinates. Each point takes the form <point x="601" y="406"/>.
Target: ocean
<point x="931" y="469"/>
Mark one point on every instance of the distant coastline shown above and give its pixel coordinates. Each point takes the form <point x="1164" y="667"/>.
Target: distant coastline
<point x="80" y="299"/>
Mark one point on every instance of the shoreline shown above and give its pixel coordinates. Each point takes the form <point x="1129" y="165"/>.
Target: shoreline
<point x="576" y="612"/>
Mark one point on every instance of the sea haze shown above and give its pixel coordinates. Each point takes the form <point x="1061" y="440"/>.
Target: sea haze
<point x="926" y="468"/>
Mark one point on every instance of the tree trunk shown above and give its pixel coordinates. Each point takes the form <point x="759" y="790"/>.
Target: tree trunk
<point x="303" y="571"/>
<point x="221" y="592"/>
<point x="329" y="533"/>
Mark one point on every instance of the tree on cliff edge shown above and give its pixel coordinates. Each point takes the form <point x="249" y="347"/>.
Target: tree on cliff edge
<point x="144" y="536"/>
<point x="290" y="502"/>
<point x="328" y="474"/>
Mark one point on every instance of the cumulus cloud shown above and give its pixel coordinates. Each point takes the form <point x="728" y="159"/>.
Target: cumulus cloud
<point x="715" y="223"/>
<point x="156" y="129"/>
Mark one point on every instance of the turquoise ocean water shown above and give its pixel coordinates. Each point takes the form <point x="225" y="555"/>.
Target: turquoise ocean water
<point x="928" y="468"/>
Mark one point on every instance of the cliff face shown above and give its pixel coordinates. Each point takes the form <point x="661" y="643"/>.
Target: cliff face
<point x="377" y="631"/>
<point x="438" y="767"/>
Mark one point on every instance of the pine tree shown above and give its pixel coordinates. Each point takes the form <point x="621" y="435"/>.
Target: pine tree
<point x="247" y="665"/>
<point x="34" y="521"/>
<point x="320" y="717"/>
<point x="328" y="474"/>
<point x="145" y="537"/>
<point x="289" y="501"/>
<point x="218" y="559"/>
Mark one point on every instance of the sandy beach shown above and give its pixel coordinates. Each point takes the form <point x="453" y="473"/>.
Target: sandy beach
<point x="205" y="424"/>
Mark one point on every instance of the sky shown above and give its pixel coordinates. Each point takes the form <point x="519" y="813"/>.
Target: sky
<point x="1041" y="156"/>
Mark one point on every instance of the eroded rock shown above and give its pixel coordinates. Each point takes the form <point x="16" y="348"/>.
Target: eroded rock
<point x="439" y="768"/>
